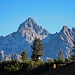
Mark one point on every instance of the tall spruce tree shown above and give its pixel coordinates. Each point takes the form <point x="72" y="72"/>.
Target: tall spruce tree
<point x="37" y="49"/>
<point x="24" y="56"/>
<point x="68" y="59"/>
<point x="60" y="56"/>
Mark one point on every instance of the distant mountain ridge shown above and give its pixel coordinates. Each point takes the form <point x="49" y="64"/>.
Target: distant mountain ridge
<point x="22" y="39"/>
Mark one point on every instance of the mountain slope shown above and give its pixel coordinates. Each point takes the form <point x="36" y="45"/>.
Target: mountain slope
<point x="61" y="41"/>
<point x="16" y="42"/>
<point x="23" y="38"/>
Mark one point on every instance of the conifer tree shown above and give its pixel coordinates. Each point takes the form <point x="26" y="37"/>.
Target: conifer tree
<point x="68" y="59"/>
<point x="60" y="56"/>
<point x="24" y="55"/>
<point x="37" y="49"/>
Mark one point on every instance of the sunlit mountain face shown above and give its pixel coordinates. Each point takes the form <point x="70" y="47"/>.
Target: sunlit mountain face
<point x="23" y="38"/>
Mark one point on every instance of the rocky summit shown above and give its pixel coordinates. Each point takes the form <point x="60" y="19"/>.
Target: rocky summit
<point x="22" y="39"/>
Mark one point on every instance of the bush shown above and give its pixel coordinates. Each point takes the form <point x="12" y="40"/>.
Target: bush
<point x="13" y="66"/>
<point x="34" y="64"/>
<point x="23" y="68"/>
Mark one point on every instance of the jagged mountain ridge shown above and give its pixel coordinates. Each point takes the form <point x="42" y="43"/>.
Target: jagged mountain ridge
<point x="30" y="29"/>
<point x="61" y="41"/>
<point x="22" y="39"/>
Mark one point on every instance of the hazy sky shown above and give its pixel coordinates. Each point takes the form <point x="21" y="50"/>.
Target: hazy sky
<point x="52" y="15"/>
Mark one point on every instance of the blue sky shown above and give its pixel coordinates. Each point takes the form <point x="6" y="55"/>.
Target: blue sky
<point x="52" y="15"/>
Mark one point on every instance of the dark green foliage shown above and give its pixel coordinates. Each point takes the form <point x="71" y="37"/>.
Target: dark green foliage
<point x="55" y="60"/>
<point x="9" y="67"/>
<point x="24" y="55"/>
<point x="60" y="56"/>
<point x="12" y="66"/>
<point x="67" y="60"/>
<point x="37" y="49"/>
<point x="22" y="68"/>
<point x="30" y="67"/>
<point x="33" y="64"/>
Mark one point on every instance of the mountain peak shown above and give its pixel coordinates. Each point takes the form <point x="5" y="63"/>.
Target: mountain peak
<point x="30" y="19"/>
<point x="65" y="30"/>
<point x="73" y="29"/>
<point x="30" y="29"/>
<point x="26" y="24"/>
<point x="65" y="27"/>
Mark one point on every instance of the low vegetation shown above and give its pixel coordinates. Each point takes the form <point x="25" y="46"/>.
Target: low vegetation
<point x="21" y="68"/>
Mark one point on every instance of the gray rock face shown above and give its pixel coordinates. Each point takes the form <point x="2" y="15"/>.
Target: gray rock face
<point x="30" y="30"/>
<point x="60" y="41"/>
<point x="22" y="39"/>
<point x="16" y="42"/>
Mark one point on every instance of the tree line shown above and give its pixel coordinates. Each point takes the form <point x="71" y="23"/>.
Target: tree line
<point x="35" y="65"/>
<point x="37" y="52"/>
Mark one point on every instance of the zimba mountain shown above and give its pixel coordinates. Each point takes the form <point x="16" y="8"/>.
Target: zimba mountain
<point x="23" y="38"/>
